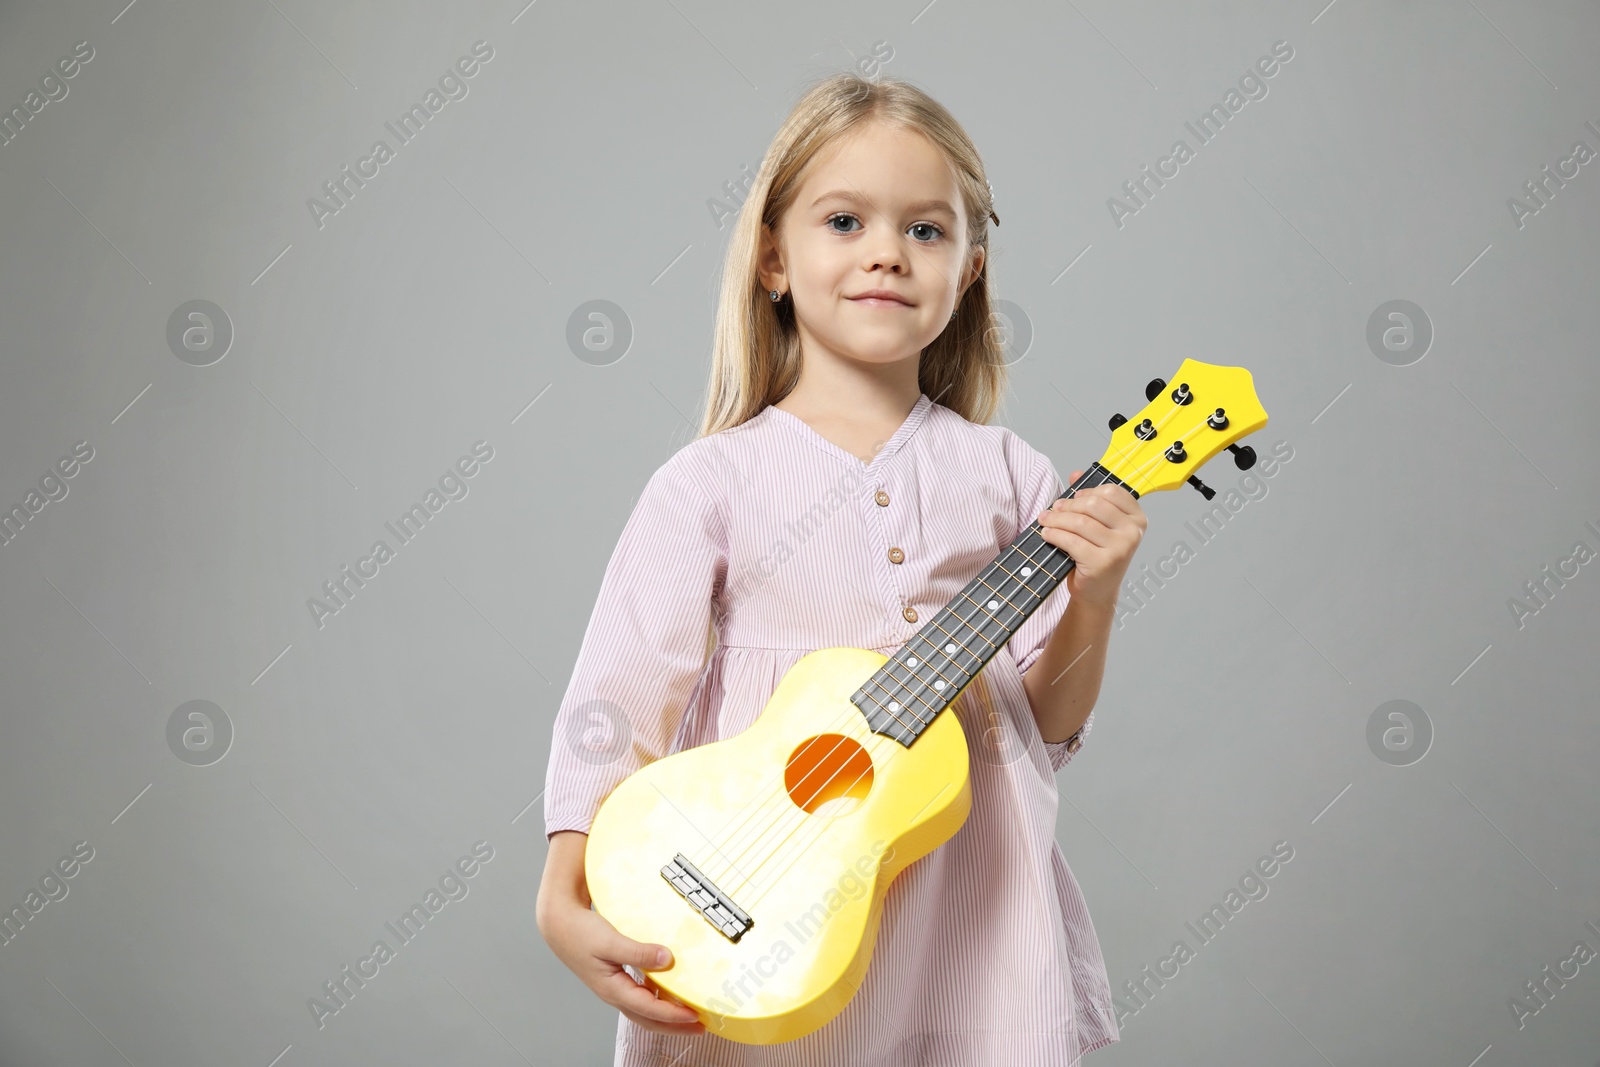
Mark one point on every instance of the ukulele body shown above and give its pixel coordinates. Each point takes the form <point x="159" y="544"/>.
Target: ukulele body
<point x="800" y="822"/>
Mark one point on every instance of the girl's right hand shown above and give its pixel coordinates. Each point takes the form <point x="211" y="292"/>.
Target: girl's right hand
<point x="594" y="951"/>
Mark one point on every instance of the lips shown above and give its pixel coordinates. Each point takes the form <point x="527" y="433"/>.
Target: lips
<point x="881" y="298"/>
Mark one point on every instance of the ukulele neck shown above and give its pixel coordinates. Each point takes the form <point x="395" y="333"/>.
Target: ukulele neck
<point x="929" y="671"/>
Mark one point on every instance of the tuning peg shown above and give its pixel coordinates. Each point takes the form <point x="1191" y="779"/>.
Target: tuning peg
<point x="1118" y="420"/>
<point x="1244" y="457"/>
<point x="1205" y="490"/>
<point x="1153" y="390"/>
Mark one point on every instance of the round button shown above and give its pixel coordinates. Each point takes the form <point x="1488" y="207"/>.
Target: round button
<point x="910" y="614"/>
<point x="1074" y="743"/>
<point x="896" y="556"/>
<point x="882" y="498"/>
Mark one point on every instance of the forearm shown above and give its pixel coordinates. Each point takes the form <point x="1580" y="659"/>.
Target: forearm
<point x="564" y="881"/>
<point x="1064" y="682"/>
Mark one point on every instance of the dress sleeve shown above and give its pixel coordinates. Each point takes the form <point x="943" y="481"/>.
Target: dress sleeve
<point x="643" y="650"/>
<point x="1038" y="487"/>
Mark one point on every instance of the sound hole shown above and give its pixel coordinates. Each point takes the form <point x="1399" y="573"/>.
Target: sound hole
<point x="829" y="774"/>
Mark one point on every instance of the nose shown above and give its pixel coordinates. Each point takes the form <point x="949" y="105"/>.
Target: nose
<point x="889" y="262"/>
<point x="885" y="251"/>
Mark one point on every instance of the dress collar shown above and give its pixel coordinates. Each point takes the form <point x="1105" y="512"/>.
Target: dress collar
<point x="917" y="416"/>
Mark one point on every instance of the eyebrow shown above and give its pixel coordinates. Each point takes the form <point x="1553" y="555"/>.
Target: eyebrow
<point x="856" y="198"/>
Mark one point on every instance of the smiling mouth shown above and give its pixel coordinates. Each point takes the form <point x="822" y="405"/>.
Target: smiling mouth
<point x="879" y="302"/>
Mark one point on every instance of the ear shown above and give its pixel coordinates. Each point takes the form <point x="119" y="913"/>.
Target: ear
<point x="769" y="262"/>
<point x="974" y="268"/>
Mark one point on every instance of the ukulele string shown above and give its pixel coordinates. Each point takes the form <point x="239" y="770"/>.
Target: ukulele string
<point x="800" y="820"/>
<point x="792" y="813"/>
<point x="809" y="842"/>
<point x="788" y="809"/>
<point x="733" y="837"/>
<point x="822" y="828"/>
<point x="782" y="793"/>
<point x="882" y="754"/>
<point x="797" y="817"/>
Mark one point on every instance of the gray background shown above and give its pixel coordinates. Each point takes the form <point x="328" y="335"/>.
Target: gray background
<point x="433" y="311"/>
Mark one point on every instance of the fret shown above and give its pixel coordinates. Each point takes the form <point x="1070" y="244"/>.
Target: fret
<point x="891" y="705"/>
<point x="929" y="671"/>
<point x="951" y="648"/>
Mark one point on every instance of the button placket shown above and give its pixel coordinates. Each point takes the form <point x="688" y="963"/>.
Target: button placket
<point x="894" y="554"/>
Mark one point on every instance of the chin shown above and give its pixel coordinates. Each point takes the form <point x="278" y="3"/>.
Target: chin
<point x="885" y="356"/>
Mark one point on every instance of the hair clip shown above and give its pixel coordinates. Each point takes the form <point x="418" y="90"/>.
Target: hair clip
<point x="992" y="215"/>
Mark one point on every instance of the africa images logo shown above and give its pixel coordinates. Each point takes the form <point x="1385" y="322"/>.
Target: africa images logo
<point x="342" y="589"/>
<point x="452" y="86"/>
<point x="1252" y="86"/>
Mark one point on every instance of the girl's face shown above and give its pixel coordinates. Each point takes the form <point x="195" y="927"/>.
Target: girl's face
<point x="879" y="210"/>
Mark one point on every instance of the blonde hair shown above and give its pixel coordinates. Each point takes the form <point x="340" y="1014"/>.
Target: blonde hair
<point x="756" y="352"/>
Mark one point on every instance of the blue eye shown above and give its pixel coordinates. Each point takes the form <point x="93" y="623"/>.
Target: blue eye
<point x="938" y="231"/>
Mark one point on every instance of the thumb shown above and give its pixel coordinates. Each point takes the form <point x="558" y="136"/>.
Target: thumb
<point x="1074" y="476"/>
<point x="641" y="954"/>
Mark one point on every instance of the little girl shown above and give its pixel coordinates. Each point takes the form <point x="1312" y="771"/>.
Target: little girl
<point x="846" y="485"/>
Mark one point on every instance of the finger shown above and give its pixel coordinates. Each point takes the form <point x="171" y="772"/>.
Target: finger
<point x="1119" y="497"/>
<point x="1067" y="541"/>
<point x="1110" y="512"/>
<point x="661" y="994"/>
<point x="641" y="954"/>
<point x="1086" y="526"/>
<point x="1097" y="492"/>
<point x="624" y="994"/>
<point x="685" y="1029"/>
<point x="1115" y="507"/>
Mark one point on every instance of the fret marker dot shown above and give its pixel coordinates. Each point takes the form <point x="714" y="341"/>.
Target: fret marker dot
<point x="994" y="605"/>
<point x="912" y="663"/>
<point x="894" y="705"/>
<point x="939" y="685"/>
<point x="1026" y="572"/>
<point x="950" y="649"/>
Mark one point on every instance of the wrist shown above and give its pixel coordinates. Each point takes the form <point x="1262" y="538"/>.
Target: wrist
<point x="564" y="883"/>
<point x="1091" y="602"/>
<point x="555" y="902"/>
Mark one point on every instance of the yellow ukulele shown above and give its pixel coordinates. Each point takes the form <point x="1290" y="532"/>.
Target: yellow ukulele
<point x="762" y="860"/>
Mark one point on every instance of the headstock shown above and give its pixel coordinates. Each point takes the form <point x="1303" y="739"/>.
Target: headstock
<point x="1204" y="410"/>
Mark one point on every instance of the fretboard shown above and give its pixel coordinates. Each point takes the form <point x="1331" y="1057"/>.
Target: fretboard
<point x="929" y="671"/>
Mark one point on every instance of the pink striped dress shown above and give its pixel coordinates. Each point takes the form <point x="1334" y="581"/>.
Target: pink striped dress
<point x="786" y="542"/>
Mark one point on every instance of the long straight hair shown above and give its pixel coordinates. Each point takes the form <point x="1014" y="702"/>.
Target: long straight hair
<point x="755" y="357"/>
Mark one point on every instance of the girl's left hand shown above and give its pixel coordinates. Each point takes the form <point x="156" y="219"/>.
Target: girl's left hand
<point x="1099" y="528"/>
